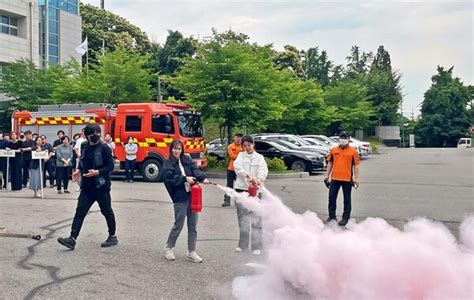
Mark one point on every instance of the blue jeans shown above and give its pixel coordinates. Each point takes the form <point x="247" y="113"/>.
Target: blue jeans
<point x="130" y="169"/>
<point x="182" y="210"/>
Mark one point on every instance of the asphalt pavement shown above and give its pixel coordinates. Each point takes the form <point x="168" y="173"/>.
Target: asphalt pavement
<point x="397" y="185"/>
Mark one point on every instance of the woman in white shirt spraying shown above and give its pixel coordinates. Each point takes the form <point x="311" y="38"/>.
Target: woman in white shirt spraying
<point x="250" y="168"/>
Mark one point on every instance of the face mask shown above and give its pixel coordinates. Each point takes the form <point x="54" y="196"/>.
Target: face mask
<point x="94" y="138"/>
<point x="344" y="142"/>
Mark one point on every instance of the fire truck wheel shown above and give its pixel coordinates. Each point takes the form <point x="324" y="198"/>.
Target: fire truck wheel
<point x="151" y="170"/>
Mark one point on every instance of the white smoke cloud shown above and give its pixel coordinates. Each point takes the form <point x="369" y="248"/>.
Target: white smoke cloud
<point x="370" y="260"/>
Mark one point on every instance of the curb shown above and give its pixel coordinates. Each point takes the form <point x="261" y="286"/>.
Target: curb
<point x="270" y="176"/>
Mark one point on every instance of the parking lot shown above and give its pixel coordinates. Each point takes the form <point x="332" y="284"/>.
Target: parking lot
<point x="397" y="185"/>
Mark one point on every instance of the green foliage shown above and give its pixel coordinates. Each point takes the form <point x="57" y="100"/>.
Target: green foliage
<point x="119" y="77"/>
<point x="275" y="165"/>
<point x="444" y="115"/>
<point x="318" y="67"/>
<point x="290" y="60"/>
<point x="348" y="106"/>
<point x="236" y="82"/>
<point x="101" y="25"/>
<point x="25" y="84"/>
<point x="214" y="163"/>
<point x="305" y="111"/>
<point x="167" y="59"/>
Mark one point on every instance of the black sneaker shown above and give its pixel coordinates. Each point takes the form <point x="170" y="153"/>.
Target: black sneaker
<point x="328" y="220"/>
<point x="109" y="242"/>
<point x="225" y="204"/>
<point x="343" y="222"/>
<point x="67" y="242"/>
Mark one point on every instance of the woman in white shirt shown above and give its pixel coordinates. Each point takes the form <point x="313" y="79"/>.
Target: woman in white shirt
<point x="250" y="168"/>
<point x="131" y="150"/>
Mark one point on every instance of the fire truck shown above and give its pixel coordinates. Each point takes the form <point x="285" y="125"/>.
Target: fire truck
<point x="153" y="127"/>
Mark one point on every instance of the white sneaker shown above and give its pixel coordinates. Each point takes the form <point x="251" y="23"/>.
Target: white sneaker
<point x="256" y="252"/>
<point x="238" y="249"/>
<point x="194" y="257"/>
<point x="169" y="254"/>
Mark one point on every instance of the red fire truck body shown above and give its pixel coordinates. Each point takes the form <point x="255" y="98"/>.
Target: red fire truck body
<point x="153" y="127"/>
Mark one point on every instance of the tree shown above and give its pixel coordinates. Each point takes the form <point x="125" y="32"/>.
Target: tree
<point x="119" y="77"/>
<point x="116" y="32"/>
<point x="358" y="62"/>
<point x="290" y="60"/>
<point x="167" y="59"/>
<point x="348" y="106"/>
<point x="444" y="115"/>
<point x="233" y="82"/>
<point x="305" y="111"/>
<point x="318" y="67"/>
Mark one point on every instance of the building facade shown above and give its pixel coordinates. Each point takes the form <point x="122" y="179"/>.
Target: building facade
<point x="45" y="31"/>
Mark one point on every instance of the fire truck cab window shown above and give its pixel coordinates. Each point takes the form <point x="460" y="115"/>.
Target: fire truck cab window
<point x="190" y="125"/>
<point x="162" y="124"/>
<point x="133" y="124"/>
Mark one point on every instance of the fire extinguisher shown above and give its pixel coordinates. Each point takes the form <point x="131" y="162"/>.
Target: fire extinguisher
<point x="253" y="188"/>
<point x="196" y="198"/>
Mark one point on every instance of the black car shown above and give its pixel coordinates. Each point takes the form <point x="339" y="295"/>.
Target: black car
<point x="296" y="160"/>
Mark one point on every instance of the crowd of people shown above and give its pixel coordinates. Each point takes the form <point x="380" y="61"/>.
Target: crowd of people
<point x="57" y="168"/>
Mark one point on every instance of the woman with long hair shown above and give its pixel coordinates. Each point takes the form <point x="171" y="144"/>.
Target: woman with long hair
<point x="15" y="162"/>
<point x="35" y="174"/>
<point x="179" y="174"/>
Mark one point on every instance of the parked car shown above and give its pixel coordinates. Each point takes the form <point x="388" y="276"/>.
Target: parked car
<point x="464" y="143"/>
<point x="362" y="151"/>
<point x="323" y="139"/>
<point x="365" y="145"/>
<point x="220" y="152"/>
<point x="294" y="139"/>
<point x="316" y="142"/>
<point x="216" y="143"/>
<point x="296" y="160"/>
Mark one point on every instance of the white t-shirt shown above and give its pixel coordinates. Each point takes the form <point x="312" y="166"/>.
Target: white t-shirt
<point x="77" y="146"/>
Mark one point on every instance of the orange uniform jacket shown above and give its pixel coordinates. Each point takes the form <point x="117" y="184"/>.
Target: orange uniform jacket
<point x="233" y="150"/>
<point x="342" y="161"/>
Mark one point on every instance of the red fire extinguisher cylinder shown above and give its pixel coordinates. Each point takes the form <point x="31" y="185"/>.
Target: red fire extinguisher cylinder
<point x="196" y="198"/>
<point x="253" y="188"/>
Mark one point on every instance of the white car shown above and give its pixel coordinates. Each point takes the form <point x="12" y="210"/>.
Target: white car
<point x="464" y="143"/>
<point x="323" y="139"/>
<point x="363" y="151"/>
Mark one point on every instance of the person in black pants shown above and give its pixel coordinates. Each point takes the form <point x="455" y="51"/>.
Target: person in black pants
<point x="15" y="162"/>
<point x="95" y="165"/>
<point x="49" y="164"/>
<point x="3" y="162"/>
<point x="343" y="169"/>
<point x="28" y="145"/>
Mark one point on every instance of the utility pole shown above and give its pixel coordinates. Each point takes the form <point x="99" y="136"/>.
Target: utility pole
<point x="102" y="6"/>
<point x="159" y="96"/>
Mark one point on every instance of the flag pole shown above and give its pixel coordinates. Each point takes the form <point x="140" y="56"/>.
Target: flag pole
<point x="87" y="61"/>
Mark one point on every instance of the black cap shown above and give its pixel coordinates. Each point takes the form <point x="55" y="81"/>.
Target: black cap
<point x="344" y="133"/>
<point x="239" y="134"/>
<point x="248" y="139"/>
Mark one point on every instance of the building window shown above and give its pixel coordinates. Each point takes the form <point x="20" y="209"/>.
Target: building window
<point x="9" y="25"/>
<point x="69" y="5"/>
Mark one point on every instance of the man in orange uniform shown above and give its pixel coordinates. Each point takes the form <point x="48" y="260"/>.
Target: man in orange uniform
<point x="343" y="165"/>
<point x="233" y="151"/>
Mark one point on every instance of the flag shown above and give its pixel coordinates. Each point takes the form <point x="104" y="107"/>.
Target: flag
<point x="82" y="48"/>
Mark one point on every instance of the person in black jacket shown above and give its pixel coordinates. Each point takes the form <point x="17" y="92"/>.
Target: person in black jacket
<point x="95" y="165"/>
<point x="179" y="173"/>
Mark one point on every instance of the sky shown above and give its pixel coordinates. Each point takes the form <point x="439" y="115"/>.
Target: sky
<point x="419" y="35"/>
